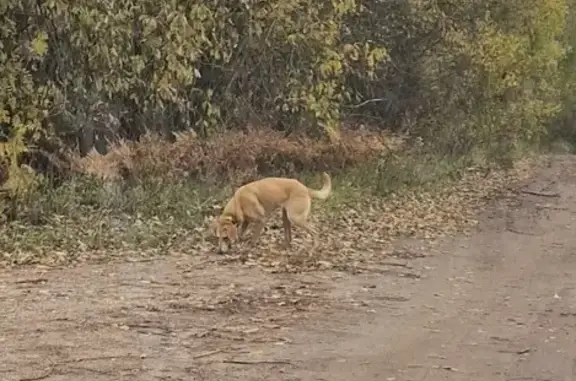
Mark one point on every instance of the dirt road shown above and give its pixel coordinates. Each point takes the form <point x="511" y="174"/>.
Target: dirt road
<point x="498" y="305"/>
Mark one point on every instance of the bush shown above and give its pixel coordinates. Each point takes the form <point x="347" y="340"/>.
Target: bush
<point x="118" y="69"/>
<point x="467" y="78"/>
<point x="236" y="157"/>
<point x="466" y="75"/>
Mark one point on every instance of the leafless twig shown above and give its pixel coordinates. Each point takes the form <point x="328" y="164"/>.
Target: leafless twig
<point x="96" y="358"/>
<point x="517" y="352"/>
<point x="32" y="281"/>
<point x="512" y="230"/>
<point x="368" y="101"/>
<point x="534" y="193"/>
<point x="249" y="362"/>
<point x="541" y="194"/>
<point x="206" y="354"/>
<point x="396" y="264"/>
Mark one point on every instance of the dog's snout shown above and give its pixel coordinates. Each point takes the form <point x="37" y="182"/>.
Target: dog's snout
<point x="223" y="247"/>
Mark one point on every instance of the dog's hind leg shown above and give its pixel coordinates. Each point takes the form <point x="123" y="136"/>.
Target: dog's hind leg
<point x="297" y="211"/>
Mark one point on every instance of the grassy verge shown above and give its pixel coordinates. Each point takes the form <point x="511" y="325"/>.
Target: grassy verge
<point x="87" y="216"/>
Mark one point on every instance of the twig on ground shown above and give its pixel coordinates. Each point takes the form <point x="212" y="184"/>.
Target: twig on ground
<point x="406" y="265"/>
<point x="206" y="354"/>
<point x="448" y="367"/>
<point x="534" y="193"/>
<point x="512" y="230"/>
<point x="83" y="359"/>
<point x="541" y="194"/>
<point x="249" y="362"/>
<point x="32" y="281"/>
<point x="145" y="326"/>
<point x="395" y="298"/>
<point x="139" y="260"/>
<point x="384" y="271"/>
<point x="517" y="352"/>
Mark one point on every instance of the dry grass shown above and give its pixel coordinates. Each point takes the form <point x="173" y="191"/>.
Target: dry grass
<point x="235" y="157"/>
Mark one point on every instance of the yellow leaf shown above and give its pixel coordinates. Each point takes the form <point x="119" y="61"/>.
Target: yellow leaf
<point x="40" y="43"/>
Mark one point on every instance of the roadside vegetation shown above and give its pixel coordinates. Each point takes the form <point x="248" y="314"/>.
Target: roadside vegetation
<point x="124" y="125"/>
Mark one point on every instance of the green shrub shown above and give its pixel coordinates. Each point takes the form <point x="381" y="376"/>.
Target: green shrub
<point x="468" y="78"/>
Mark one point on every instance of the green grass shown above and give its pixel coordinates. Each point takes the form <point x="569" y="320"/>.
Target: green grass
<point x="84" y="215"/>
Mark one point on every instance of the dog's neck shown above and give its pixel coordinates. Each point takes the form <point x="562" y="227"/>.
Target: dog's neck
<point x="230" y="211"/>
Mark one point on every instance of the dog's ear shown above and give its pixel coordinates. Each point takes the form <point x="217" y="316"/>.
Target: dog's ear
<point x="229" y="219"/>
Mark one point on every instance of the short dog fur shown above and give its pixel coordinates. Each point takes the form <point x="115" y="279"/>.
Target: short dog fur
<point x="253" y="203"/>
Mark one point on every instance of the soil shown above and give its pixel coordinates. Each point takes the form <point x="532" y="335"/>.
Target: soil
<point x="496" y="304"/>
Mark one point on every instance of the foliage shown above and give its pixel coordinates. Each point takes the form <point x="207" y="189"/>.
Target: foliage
<point x="108" y="69"/>
<point x="460" y="74"/>
<point x="564" y="125"/>
<point x="142" y="95"/>
<point x="467" y="75"/>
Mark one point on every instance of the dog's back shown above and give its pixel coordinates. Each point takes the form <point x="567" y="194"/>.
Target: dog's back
<point x="271" y="191"/>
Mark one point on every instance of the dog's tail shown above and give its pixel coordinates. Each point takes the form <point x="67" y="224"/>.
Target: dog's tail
<point x="323" y="193"/>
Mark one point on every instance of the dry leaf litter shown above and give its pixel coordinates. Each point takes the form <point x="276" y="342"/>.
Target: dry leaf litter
<point x="350" y="238"/>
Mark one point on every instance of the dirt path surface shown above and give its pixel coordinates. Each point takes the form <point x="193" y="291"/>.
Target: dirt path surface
<point x="499" y="304"/>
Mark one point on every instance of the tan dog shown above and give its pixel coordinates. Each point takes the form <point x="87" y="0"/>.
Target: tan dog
<point x="253" y="203"/>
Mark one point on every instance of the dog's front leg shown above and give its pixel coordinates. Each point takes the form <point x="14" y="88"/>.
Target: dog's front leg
<point x="243" y="228"/>
<point x="257" y="231"/>
<point x="287" y="228"/>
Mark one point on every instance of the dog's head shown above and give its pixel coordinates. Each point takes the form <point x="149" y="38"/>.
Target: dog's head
<point x="224" y="227"/>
